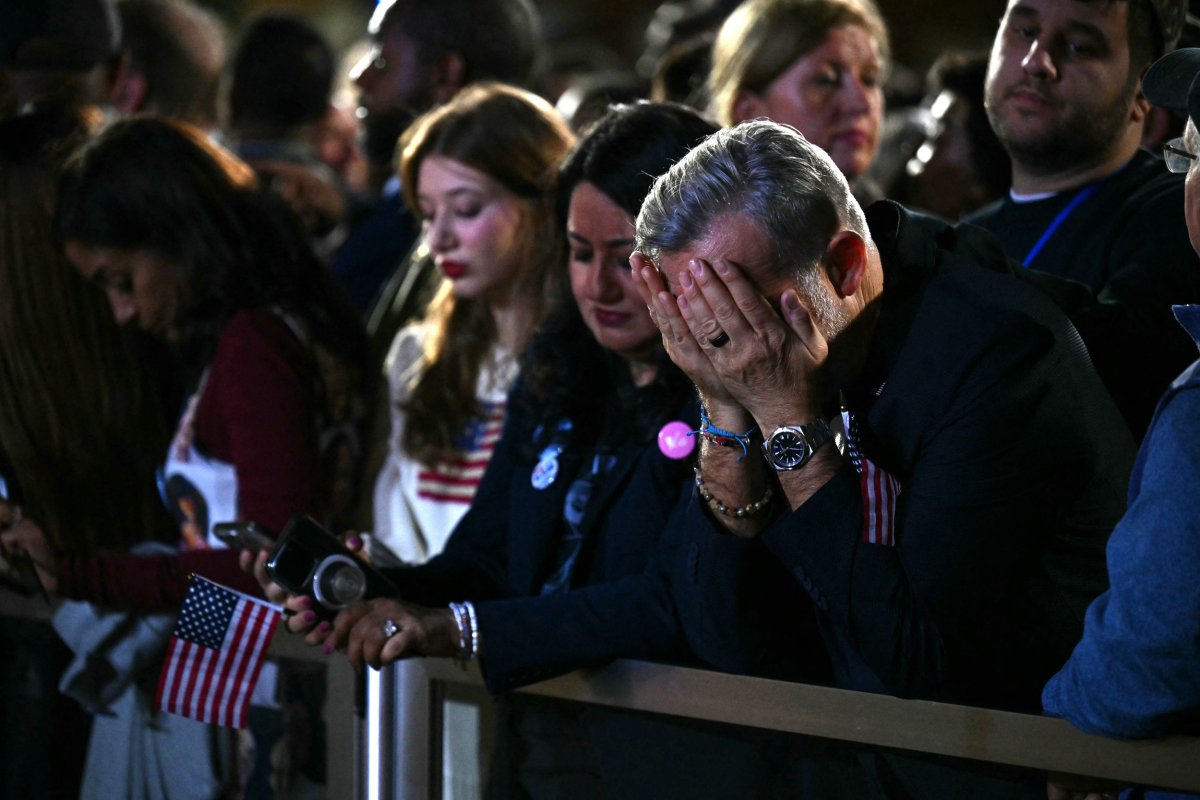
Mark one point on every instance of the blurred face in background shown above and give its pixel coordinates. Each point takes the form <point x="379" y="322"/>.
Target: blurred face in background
<point x="473" y="226"/>
<point x="393" y="89"/>
<point x="833" y="95"/>
<point x="600" y="236"/>
<point x="142" y="288"/>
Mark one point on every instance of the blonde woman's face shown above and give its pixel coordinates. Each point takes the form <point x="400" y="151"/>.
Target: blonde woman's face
<point x="833" y="95"/>
<point x="472" y="226"/>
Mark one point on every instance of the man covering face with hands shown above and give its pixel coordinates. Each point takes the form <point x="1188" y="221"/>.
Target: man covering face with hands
<point x="913" y="433"/>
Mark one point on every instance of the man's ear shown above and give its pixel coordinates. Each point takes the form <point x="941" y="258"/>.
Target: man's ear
<point x="446" y="76"/>
<point x="846" y="262"/>
<point x="1140" y="108"/>
<point x="748" y="105"/>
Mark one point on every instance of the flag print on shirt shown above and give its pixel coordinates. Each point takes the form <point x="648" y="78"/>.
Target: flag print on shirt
<point x="215" y="654"/>
<point x="880" y="490"/>
<point x="455" y="480"/>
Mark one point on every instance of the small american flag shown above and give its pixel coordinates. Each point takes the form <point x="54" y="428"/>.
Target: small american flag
<point x="215" y="654"/>
<point x="880" y="490"/>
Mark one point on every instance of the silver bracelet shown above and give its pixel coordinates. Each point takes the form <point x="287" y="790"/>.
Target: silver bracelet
<point x="463" y="621"/>
<point x="474" y="630"/>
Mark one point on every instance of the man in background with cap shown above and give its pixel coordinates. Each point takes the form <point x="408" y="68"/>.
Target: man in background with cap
<point x="1136" y="672"/>
<point x="1086" y="203"/>
<point x="58" y="51"/>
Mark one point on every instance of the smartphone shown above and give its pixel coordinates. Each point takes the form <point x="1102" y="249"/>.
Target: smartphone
<point x="244" y="536"/>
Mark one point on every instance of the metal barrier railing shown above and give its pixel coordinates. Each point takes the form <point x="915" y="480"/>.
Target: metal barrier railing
<point x="979" y="734"/>
<point x="986" y="735"/>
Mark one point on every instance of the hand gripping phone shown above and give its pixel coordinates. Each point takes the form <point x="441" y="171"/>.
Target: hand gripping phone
<point x="310" y="560"/>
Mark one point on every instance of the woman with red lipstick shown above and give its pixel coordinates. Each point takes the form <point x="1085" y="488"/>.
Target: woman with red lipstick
<point x="479" y="173"/>
<point x="817" y="65"/>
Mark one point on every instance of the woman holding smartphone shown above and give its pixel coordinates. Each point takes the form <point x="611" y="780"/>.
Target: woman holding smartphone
<point x="172" y="230"/>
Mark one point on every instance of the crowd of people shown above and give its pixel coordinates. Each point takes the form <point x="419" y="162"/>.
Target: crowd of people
<point x="721" y="364"/>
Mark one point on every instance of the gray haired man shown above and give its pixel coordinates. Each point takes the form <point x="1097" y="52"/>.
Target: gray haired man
<point x="931" y="456"/>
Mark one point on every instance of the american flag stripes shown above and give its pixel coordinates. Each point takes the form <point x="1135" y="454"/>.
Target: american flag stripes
<point x="879" y="493"/>
<point x="215" y="654"/>
<point x="456" y="480"/>
<point x="879" y="490"/>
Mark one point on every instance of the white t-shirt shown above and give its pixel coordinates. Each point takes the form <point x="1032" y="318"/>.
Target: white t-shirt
<point x="417" y="506"/>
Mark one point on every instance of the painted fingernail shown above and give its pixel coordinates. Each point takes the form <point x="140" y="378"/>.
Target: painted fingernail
<point x="327" y="649"/>
<point x="354" y="543"/>
<point x="306" y="602"/>
<point x="310" y="616"/>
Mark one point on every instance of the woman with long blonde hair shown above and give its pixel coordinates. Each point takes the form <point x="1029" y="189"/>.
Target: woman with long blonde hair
<point x="479" y="173"/>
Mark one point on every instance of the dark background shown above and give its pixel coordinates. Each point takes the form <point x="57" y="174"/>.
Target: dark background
<point x="921" y="29"/>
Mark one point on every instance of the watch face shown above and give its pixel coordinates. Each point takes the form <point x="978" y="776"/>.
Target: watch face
<point x="788" y="449"/>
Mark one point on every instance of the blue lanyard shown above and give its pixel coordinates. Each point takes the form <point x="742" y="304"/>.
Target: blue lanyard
<point x="1058" y="221"/>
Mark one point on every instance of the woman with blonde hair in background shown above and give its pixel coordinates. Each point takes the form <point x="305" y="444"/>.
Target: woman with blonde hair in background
<point x="817" y="65"/>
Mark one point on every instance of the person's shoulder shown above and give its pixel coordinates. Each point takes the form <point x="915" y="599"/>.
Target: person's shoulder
<point x="985" y="217"/>
<point x="1146" y="185"/>
<point x="261" y="332"/>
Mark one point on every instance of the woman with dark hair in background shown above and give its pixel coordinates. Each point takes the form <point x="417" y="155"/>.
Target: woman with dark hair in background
<point x="80" y="435"/>
<point x="171" y="228"/>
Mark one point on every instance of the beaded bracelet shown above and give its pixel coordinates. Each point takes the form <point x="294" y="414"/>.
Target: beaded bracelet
<point x="719" y="436"/>
<point x="741" y="512"/>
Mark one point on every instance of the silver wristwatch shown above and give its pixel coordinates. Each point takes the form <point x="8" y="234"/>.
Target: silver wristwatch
<point x="792" y="446"/>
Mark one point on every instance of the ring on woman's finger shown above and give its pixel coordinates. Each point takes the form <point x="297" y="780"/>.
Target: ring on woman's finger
<point x="390" y="628"/>
<point x="720" y="340"/>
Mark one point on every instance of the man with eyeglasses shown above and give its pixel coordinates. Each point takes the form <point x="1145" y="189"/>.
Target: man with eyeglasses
<point x="1136" y="672"/>
<point x="1087" y="204"/>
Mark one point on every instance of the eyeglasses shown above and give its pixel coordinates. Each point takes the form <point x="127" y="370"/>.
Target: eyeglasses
<point x="1178" y="159"/>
